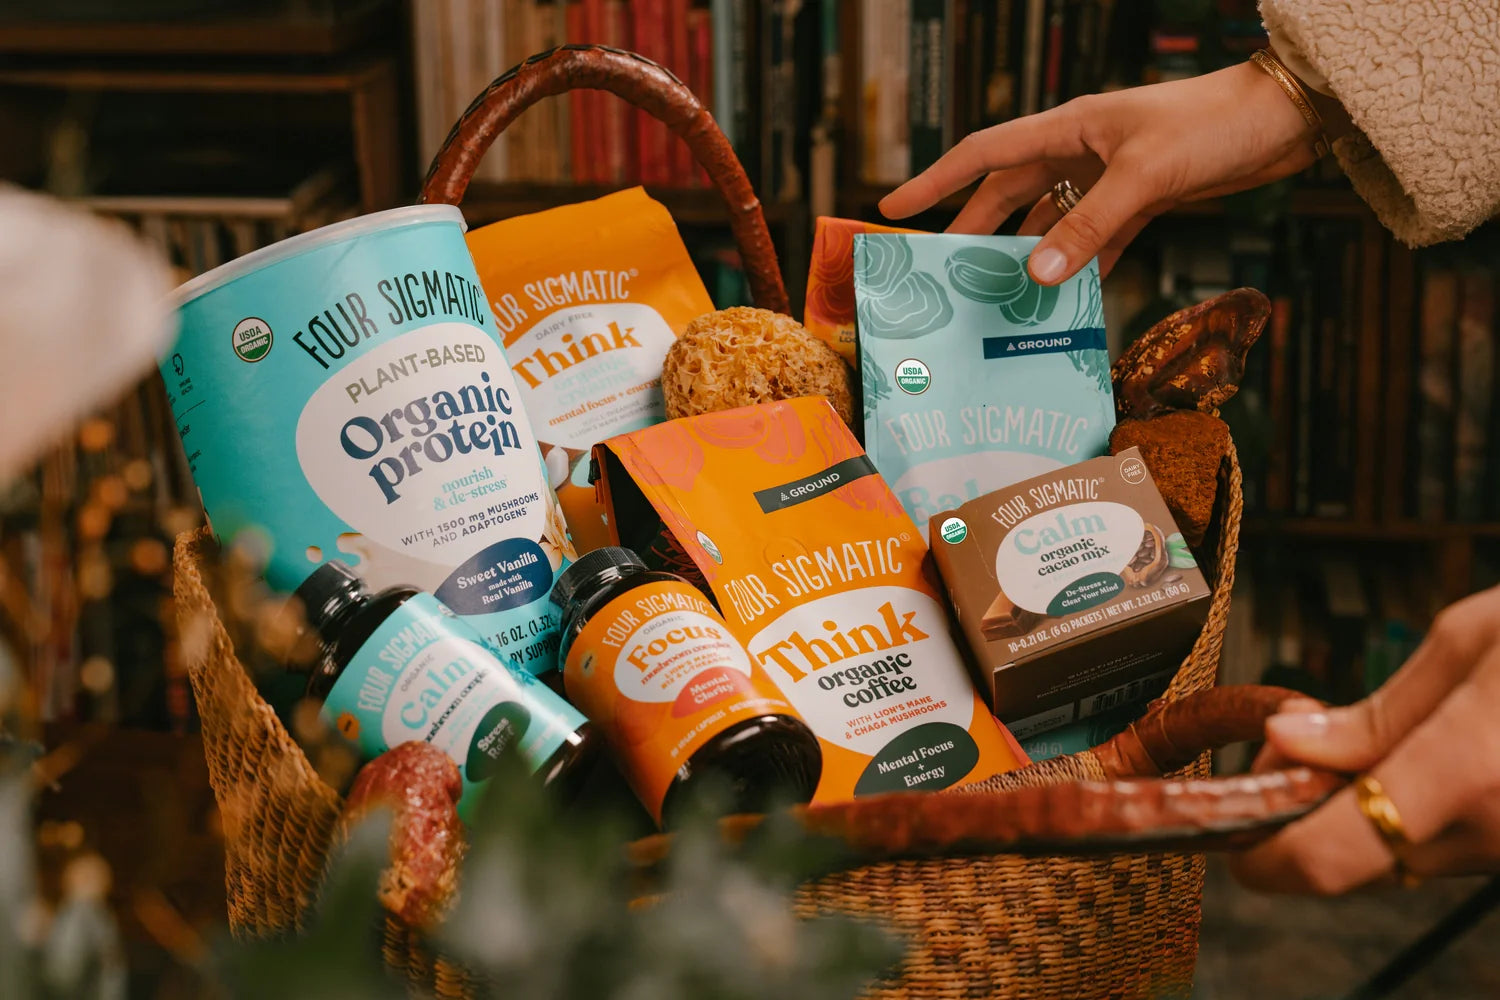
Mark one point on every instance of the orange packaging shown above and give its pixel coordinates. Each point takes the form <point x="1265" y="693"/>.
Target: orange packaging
<point x="820" y="574"/>
<point x="587" y="299"/>
<point x="829" y="311"/>
<point x="660" y="672"/>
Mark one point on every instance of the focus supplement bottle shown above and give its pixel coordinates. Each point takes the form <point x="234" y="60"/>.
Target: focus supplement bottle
<point x="648" y="658"/>
<point x="399" y="666"/>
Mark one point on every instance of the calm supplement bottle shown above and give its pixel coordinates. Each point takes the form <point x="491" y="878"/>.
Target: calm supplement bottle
<point x="647" y="657"/>
<point x="398" y="665"/>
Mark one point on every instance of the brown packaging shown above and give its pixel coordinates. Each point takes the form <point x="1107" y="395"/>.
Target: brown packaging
<point x="1074" y="591"/>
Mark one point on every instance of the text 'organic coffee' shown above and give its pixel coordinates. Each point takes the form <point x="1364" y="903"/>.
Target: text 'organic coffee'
<point x="819" y="574"/>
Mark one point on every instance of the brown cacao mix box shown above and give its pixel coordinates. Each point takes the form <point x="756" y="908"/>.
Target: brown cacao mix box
<point x="1074" y="591"/>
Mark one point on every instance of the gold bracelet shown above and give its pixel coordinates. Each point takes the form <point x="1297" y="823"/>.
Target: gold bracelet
<point x="1273" y="67"/>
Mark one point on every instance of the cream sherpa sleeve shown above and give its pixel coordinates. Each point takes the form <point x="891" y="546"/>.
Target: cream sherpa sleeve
<point x="1421" y="80"/>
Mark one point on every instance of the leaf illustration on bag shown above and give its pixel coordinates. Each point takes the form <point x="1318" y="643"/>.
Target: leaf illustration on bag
<point x="1090" y="308"/>
<point x="1093" y="365"/>
<point x="877" y="385"/>
<point x="915" y="307"/>
<point x="882" y="264"/>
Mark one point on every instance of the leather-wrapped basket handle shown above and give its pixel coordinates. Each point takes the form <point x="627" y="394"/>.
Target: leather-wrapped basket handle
<point x="1134" y="810"/>
<point x="647" y="86"/>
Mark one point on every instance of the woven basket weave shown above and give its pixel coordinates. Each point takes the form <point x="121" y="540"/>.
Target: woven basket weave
<point x="1052" y="881"/>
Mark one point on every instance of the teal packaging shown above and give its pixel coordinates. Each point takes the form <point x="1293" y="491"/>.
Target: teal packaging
<point x="423" y="674"/>
<point x="1076" y="737"/>
<point x="974" y="376"/>
<point x="344" y="395"/>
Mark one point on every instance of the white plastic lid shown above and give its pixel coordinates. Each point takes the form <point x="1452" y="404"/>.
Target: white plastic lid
<point x="255" y="260"/>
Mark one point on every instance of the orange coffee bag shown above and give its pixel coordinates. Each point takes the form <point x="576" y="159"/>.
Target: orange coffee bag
<point x="587" y="299"/>
<point x="829" y="310"/>
<point x="819" y="572"/>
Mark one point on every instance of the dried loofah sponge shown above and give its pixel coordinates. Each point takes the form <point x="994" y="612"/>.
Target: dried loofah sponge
<point x="1183" y="450"/>
<point x="742" y="356"/>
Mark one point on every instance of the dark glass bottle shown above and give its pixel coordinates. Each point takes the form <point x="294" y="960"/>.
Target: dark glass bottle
<point x="397" y="665"/>
<point x="649" y="657"/>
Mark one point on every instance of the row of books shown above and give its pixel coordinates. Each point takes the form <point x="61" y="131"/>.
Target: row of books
<point x="1332" y="624"/>
<point x="1302" y="418"/>
<point x="199" y="232"/>
<point x="1389" y="417"/>
<point x="931" y="71"/>
<point x="1455" y="424"/>
<point x="740" y="57"/>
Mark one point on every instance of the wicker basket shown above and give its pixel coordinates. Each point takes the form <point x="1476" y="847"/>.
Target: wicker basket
<point x="1064" y="879"/>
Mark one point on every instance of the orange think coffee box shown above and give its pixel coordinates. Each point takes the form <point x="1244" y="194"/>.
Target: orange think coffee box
<point x="820" y="574"/>
<point x="829" y="309"/>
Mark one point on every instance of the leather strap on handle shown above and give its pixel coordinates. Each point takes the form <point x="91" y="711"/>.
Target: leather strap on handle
<point x="1171" y="735"/>
<point x="643" y="84"/>
<point x="1132" y="812"/>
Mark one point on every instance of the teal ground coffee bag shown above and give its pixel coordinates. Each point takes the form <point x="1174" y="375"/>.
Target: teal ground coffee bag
<point x="974" y="376"/>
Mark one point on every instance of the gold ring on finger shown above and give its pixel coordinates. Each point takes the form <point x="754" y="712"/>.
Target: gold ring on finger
<point x="1383" y="815"/>
<point x="1066" y="196"/>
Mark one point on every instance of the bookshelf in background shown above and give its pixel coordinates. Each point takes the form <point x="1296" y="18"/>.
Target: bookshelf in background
<point x="753" y="63"/>
<point x="1365" y="442"/>
<point x="1364" y="424"/>
<point x="211" y="136"/>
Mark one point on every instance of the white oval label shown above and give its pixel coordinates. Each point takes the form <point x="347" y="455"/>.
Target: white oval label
<point x="1047" y="552"/>
<point x="671" y="649"/>
<point x="423" y="447"/>
<point x="864" y="665"/>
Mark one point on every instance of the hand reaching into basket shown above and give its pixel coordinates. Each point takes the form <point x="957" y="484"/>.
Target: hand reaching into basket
<point x="1135" y="152"/>
<point x="1430" y="741"/>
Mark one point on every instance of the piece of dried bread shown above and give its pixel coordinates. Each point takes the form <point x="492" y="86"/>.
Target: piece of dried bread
<point x="1183" y="450"/>
<point x="742" y="356"/>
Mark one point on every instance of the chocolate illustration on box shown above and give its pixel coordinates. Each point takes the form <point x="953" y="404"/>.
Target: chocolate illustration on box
<point x="1068" y="586"/>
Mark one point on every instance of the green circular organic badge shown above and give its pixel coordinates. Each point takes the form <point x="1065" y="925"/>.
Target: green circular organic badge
<point x="913" y="377"/>
<point x="251" y="339"/>
<point x="953" y="530"/>
<point x="710" y="548"/>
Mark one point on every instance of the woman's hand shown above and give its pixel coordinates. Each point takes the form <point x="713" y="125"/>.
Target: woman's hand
<point x="1430" y="736"/>
<point x="1134" y="152"/>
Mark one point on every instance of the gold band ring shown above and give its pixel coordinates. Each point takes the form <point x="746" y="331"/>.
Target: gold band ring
<point x="1065" y="197"/>
<point x="1386" y="819"/>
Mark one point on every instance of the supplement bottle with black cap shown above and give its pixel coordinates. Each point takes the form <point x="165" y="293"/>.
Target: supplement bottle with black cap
<point x="648" y="658"/>
<point x="398" y="666"/>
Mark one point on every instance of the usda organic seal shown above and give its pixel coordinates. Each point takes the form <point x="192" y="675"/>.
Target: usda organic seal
<point x="953" y="530"/>
<point x="251" y="339"/>
<point x="913" y="377"/>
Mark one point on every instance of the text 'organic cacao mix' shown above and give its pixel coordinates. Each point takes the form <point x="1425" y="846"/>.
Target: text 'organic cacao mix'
<point x="975" y="376"/>
<point x="1075" y="591"/>
<point x="587" y="299"/>
<point x="819" y="573"/>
